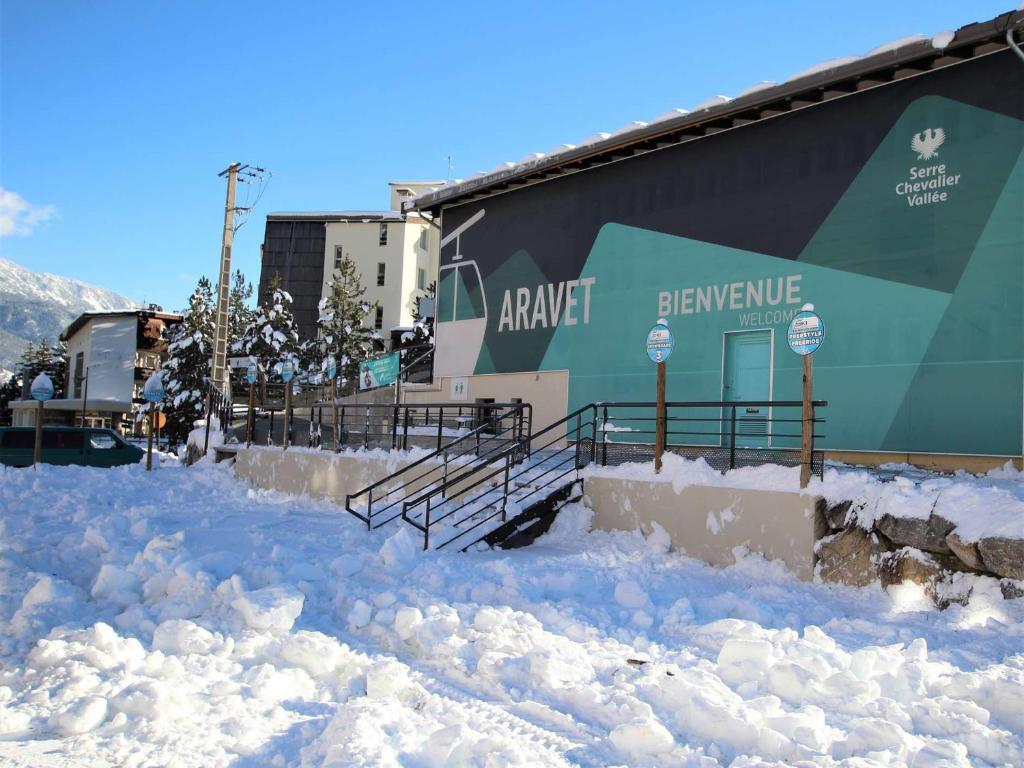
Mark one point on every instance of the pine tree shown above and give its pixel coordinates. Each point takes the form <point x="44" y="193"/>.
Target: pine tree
<point x="187" y="368"/>
<point x="59" y="368"/>
<point x="423" y="323"/>
<point x="44" y="358"/>
<point x="271" y="336"/>
<point x="341" y="328"/>
<point x="9" y="390"/>
<point x="240" y="314"/>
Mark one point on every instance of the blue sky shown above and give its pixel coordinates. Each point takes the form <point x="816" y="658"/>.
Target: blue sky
<point x="117" y="116"/>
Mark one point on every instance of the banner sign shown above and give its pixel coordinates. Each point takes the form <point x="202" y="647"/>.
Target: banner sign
<point x="378" y="372"/>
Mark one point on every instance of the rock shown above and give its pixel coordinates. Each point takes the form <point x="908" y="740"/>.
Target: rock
<point x="836" y="515"/>
<point x="849" y="557"/>
<point x="1003" y="557"/>
<point x="909" y="564"/>
<point x="965" y="551"/>
<point x="928" y="534"/>
<point x="1012" y="590"/>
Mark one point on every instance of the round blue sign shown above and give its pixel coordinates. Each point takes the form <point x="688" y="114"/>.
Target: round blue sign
<point x="153" y="389"/>
<point x="287" y="370"/>
<point x="660" y="343"/>
<point x="806" y="332"/>
<point x="252" y="373"/>
<point x="42" y="387"/>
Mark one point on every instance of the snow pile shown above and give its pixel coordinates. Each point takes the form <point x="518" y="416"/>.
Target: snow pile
<point x="979" y="506"/>
<point x="185" y="618"/>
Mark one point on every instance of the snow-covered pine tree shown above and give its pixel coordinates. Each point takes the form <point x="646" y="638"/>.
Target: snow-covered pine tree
<point x="341" y="327"/>
<point x="187" y="368"/>
<point x="422" y="319"/>
<point x="271" y="336"/>
<point x="44" y="358"/>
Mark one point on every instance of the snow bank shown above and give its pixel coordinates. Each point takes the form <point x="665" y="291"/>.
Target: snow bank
<point x="980" y="506"/>
<point x="185" y="618"/>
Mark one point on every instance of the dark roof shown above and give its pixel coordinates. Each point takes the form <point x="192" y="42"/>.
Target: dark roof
<point x="82" y="319"/>
<point x="823" y="84"/>
<point x="325" y="216"/>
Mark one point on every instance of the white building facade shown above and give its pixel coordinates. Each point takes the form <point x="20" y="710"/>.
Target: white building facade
<point x="395" y="255"/>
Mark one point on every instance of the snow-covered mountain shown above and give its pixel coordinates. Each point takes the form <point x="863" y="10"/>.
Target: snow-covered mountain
<point x="34" y="305"/>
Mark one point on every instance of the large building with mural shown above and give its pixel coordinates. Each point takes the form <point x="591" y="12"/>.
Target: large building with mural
<point x="888" y="191"/>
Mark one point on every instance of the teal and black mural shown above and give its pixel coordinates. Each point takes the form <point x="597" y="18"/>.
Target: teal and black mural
<point x="898" y="212"/>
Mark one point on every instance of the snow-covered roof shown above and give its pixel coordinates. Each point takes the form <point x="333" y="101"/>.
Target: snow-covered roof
<point x="829" y="79"/>
<point x="356" y="216"/>
<point x="85" y="317"/>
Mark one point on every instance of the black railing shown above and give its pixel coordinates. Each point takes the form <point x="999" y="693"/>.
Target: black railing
<point x="219" y="406"/>
<point x="497" y="426"/>
<point x="390" y="426"/>
<point x="726" y="435"/>
<point x="520" y="473"/>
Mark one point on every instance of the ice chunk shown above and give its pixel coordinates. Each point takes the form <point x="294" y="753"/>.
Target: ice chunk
<point x="641" y="738"/>
<point x="81" y="716"/>
<point x="116" y="585"/>
<point x="629" y="594"/>
<point x="179" y="636"/>
<point x="272" y="609"/>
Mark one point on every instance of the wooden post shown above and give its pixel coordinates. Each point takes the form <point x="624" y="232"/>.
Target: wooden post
<point x="334" y="412"/>
<point x="807" y="422"/>
<point x="249" y="419"/>
<point x="287" y="412"/>
<point x="37" y="454"/>
<point x="659" y="433"/>
<point x="149" y="441"/>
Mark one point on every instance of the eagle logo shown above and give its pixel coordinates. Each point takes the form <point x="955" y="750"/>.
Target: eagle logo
<point x="927" y="143"/>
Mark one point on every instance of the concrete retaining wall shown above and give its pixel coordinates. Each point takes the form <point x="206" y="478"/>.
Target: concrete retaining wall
<point x="708" y="522"/>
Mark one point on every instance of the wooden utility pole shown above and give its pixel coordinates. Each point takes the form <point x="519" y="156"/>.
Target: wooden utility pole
<point x="287" y="412"/>
<point x="220" y="333"/>
<point x="659" y="433"/>
<point x="37" y="454"/>
<point x="149" y="441"/>
<point x="807" y="422"/>
<point x="334" y="411"/>
<point x="249" y="425"/>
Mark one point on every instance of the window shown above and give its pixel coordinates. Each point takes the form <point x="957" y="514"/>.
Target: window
<point x="101" y="441"/>
<point x="423" y="239"/>
<point x="20" y="439"/>
<point x="61" y="440"/>
<point x="383" y="233"/>
<point x="381" y="267"/>
<point x="378" y="321"/>
<point x="339" y="254"/>
<point x="421" y="279"/>
<point x="79" y="363"/>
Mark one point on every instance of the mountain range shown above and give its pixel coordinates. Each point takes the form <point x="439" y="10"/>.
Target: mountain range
<point x="34" y="305"/>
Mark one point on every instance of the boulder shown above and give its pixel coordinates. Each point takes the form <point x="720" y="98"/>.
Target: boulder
<point x="849" y="557"/>
<point x="1011" y="590"/>
<point x="1003" y="557"/>
<point x="909" y="564"/>
<point x="965" y="551"/>
<point x="927" y="534"/>
<point x="836" y="515"/>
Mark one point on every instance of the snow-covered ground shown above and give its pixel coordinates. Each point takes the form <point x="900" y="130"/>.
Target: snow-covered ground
<point x="183" y="618"/>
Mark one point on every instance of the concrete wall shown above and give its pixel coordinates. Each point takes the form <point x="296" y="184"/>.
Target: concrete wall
<point x="332" y="476"/>
<point x="708" y="522"/>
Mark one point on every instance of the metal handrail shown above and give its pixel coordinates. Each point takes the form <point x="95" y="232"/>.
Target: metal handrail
<point x="521" y="413"/>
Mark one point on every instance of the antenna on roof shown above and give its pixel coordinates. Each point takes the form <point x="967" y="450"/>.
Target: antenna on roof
<point x="451" y="166"/>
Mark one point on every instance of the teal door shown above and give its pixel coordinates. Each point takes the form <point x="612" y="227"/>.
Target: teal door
<point x="746" y="377"/>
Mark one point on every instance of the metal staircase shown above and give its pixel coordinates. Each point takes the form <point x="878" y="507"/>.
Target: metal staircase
<point x="501" y="485"/>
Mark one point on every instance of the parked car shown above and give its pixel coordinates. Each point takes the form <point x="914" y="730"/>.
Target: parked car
<point x="86" y="446"/>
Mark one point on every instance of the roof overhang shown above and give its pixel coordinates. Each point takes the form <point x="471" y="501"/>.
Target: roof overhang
<point x="909" y="60"/>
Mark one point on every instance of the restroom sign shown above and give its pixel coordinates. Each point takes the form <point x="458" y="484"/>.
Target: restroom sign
<point x="806" y="332"/>
<point x="660" y="343"/>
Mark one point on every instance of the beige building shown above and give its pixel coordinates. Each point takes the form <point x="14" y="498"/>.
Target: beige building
<point x="394" y="252"/>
